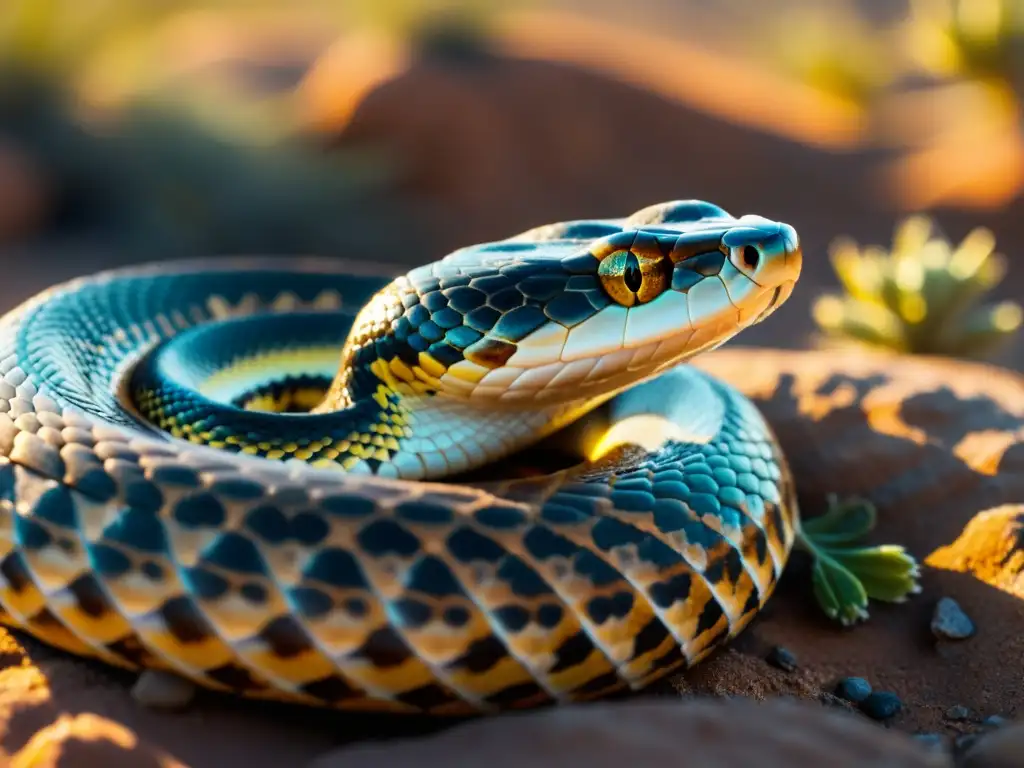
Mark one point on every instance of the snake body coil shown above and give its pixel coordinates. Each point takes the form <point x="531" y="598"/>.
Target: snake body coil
<point x="186" y="485"/>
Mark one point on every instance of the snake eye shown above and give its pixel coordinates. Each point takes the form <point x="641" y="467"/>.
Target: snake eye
<point x="630" y="278"/>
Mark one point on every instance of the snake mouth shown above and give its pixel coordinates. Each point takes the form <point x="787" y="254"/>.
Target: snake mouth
<point x="779" y="296"/>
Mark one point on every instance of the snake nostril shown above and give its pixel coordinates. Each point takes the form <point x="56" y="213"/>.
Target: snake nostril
<point x="751" y="257"/>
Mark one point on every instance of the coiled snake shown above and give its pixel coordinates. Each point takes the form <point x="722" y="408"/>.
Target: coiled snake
<point x="185" y="484"/>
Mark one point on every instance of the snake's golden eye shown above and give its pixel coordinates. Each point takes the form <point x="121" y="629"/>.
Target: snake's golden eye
<point x="631" y="278"/>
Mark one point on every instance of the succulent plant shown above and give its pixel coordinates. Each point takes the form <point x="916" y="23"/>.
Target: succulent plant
<point x="831" y="47"/>
<point x="846" y="574"/>
<point x="922" y="297"/>
<point x="978" y="39"/>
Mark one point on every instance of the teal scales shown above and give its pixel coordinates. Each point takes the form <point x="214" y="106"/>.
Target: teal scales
<point x="235" y="471"/>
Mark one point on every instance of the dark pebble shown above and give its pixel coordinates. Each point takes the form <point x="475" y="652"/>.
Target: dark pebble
<point x="958" y="712"/>
<point x="854" y="689"/>
<point x="782" y="658"/>
<point x="993" y="721"/>
<point x="881" y="705"/>
<point x="949" y="622"/>
<point x="931" y="740"/>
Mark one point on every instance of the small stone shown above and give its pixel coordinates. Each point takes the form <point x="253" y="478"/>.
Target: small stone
<point x="162" y="690"/>
<point x="854" y="689"/>
<point x="949" y="622"/>
<point x="958" y="712"/>
<point x="994" y="721"/>
<point x="881" y="705"/>
<point x="782" y="658"/>
<point x="933" y="741"/>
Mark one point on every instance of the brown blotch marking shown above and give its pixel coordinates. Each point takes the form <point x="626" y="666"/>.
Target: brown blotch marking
<point x="520" y="696"/>
<point x="235" y="677"/>
<point x="427" y="697"/>
<point x="385" y="648"/>
<point x="662" y="665"/>
<point x="132" y="651"/>
<point x="89" y="596"/>
<point x="598" y="687"/>
<point x="490" y="352"/>
<point x="332" y="689"/>
<point x="14" y="571"/>
<point x="184" y="621"/>
<point x="483" y="654"/>
<point x="286" y="638"/>
<point x="572" y="653"/>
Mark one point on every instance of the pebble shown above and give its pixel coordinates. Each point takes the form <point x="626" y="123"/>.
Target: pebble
<point x="162" y="690"/>
<point x="949" y="622"/>
<point x="881" y="705"/>
<point x="958" y="712"/>
<point x="854" y="689"/>
<point x="994" y="721"/>
<point x="782" y="658"/>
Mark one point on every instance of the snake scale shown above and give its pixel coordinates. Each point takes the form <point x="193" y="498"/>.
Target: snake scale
<point x="190" y="481"/>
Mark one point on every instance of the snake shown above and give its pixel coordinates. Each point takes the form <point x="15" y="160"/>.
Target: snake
<point x="294" y="478"/>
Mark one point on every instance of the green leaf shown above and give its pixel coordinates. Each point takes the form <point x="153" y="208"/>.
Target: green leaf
<point x="839" y="592"/>
<point x="882" y="561"/>
<point x="893" y="589"/>
<point x="843" y="522"/>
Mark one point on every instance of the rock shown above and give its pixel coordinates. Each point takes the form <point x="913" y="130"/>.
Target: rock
<point x="994" y="721"/>
<point x="1001" y="749"/>
<point x="163" y="690"/>
<point x="881" y="705"/>
<point x="695" y="732"/>
<point x="958" y="712"/>
<point x="949" y="622"/>
<point x="782" y="658"/>
<point x="854" y="689"/>
<point x="989" y="548"/>
<point x="89" y="741"/>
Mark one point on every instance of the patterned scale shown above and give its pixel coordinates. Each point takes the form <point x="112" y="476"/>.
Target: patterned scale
<point x="295" y="581"/>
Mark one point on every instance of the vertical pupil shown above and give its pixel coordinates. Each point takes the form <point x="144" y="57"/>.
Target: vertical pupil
<point x="631" y="274"/>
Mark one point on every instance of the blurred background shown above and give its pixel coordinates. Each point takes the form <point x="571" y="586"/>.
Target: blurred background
<point x="888" y="132"/>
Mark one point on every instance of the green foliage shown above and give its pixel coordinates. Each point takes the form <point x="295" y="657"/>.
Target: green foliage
<point x="830" y="48"/>
<point x="923" y="297"/>
<point x="976" y="39"/>
<point x="157" y="183"/>
<point x="846" y="576"/>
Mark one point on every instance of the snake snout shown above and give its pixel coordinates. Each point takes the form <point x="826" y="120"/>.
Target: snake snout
<point x="768" y="253"/>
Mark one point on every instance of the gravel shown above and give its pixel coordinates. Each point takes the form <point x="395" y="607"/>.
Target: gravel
<point x="854" y="689"/>
<point x="881" y="705"/>
<point x="949" y="622"/>
<point x="782" y="658"/>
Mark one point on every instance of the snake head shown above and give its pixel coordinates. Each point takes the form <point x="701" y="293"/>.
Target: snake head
<point x="578" y="310"/>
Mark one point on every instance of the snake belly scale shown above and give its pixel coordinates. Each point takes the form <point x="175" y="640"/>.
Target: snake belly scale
<point x="236" y="471"/>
